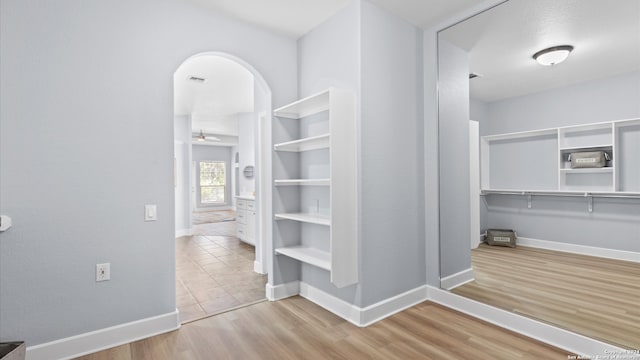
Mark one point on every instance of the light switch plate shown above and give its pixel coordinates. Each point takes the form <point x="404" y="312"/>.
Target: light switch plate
<point x="150" y="213"/>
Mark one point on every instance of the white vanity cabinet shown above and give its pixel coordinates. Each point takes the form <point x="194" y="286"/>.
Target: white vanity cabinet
<point x="246" y="219"/>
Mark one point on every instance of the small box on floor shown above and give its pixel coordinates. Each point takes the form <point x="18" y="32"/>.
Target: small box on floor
<point x="501" y="237"/>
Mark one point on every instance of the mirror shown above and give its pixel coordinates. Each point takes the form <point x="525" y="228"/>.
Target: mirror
<point x="510" y="139"/>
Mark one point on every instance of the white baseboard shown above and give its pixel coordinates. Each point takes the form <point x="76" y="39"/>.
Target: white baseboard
<point x="368" y="315"/>
<point x="282" y="291"/>
<point x="457" y="279"/>
<point x="546" y="333"/>
<point x="184" y="232"/>
<point x="581" y="249"/>
<point x="102" y="339"/>
<point x="257" y="267"/>
<point x="345" y="310"/>
<point x="385" y="308"/>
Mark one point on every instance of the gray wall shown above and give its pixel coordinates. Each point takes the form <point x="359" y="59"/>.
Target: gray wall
<point x="212" y="153"/>
<point x="329" y="56"/>
<point x="614" y="224"/>
<point x="453" y="81"/>
<point x="613" y="98"/>
<point x="87" y="102"/>
<point x="247" y="149"/>
<point x="377" y="55"/>
<point x="392" y="178"/>
<point x="431" y="161"/>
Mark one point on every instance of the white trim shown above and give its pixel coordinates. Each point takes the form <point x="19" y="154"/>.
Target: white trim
<point x="345" y="310"/>
<point x="581" y="249"/>
<point x="546" y="333"/>
<point x="184" y="232"/>
<point x="385" y="308"/>
<point x="368" y="315"/>
<point x="282" y="291"/>
<point x="258" y="268"/>
<point x="106" y="338"/>
<point x="457" y="279"/>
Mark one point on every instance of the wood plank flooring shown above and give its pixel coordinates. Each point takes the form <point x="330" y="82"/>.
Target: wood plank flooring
<point x="295" y="328"/>
<point x="596" y="297"/>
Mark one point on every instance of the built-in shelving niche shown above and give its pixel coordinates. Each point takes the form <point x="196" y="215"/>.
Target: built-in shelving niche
<point x="536" y="162"/>
<point x="316" y="184"/>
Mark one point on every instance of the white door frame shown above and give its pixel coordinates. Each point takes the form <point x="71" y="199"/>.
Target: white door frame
<point x="474" y="183"/>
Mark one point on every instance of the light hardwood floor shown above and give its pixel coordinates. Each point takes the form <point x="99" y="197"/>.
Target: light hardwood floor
<point x="596" y="297"/>
<point x="295" y="328"/>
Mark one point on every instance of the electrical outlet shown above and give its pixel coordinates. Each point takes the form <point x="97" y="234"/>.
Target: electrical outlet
<point x="103" y="272"/>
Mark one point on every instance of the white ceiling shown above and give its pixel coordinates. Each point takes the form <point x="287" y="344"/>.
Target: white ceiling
<point x="212" y="104"/>
<point x="294" y="18"/>
<point x="501" y="42"/>
<point x="229" y="87"/>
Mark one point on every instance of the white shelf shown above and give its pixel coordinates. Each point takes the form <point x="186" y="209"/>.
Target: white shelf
<point x="306" y="144"/>
<point x="335" y="112"/>
<point x="521" y="134"/>
<point x="305" y="107"/>
<point x="570" y="148"/>
<point x="306" y="218"/>
<point x="588" y="170"/>
<point x="303" y="182"/>
<point x="315" y="257"/>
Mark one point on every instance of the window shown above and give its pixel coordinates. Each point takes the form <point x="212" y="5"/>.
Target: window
<point x="213" y="182"/>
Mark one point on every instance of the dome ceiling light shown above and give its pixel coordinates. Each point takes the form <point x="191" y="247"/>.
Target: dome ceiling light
<point x="553" y="55"/>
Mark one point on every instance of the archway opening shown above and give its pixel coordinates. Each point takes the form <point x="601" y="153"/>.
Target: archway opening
<point x="222" y="130"/>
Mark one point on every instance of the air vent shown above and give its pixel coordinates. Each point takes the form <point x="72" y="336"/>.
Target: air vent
<point x="473" y="76"/>
<point x="197" y="79"/>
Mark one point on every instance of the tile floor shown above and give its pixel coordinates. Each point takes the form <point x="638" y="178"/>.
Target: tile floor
<point x="214" y="273"/>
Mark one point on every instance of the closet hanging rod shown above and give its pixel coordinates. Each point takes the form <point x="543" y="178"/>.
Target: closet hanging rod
<point x="560" y="193"/>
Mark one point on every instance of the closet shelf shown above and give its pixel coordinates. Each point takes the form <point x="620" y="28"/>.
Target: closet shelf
<point x="303" y="182"/>
<point x="586" y="147"/>
<point x="306" y="144"/>
<point x="306" y="218"/>
<point x="315" y="257"/>
<point x="587" y="170"/>
<point x="521" y="134"/>
<point x="305" y="107"/>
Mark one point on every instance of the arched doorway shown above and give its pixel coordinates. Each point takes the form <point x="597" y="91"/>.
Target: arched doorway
<point x="239" y="185"/>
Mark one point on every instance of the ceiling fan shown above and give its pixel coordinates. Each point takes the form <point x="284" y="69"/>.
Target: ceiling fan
<point x="203" y="137"/>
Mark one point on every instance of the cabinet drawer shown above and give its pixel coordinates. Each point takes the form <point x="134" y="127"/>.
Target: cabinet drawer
<point x="241" y="204"/>
<point x="241" y="231"/>
<point x="251" y="205"/>
<point x="241" y="217"/>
